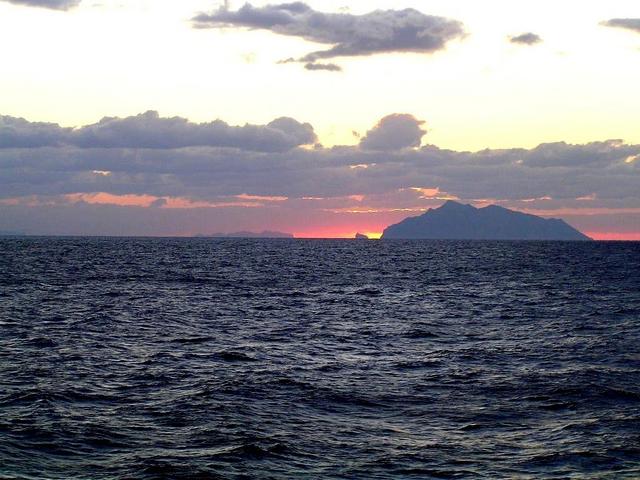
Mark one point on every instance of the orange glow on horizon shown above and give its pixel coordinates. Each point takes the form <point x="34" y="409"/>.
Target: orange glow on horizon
<point x="148" y="201"/>
<point x="102" y="198"/>
<point x="338" y="232"/>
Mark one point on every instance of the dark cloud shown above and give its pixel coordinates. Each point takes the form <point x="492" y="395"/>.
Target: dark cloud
<point x="627" y="23"/>
<point x="53" y="4"/>
<point x="328" y="67"/>
<point x="20" y="133"/>
<point x="151" y="131"/>
<point x="394" y="132"/>
<point x="595" y="154"/>
<point x="526" y="39"/>
<point x="386" y="161"/>
<point x="380" y="31"/>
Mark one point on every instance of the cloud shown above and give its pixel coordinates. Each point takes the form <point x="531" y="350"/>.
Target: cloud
<point x="149" y="130"/>
<point x="19" y="133"/>
<point x="380" y="31"/>
<point x="394" y="132"/>
<point x="627" y="23"/>
<point x="328" y="67"/>
<point x="52" y="4"/>
<point x="43" y="167"/>
<point x="526" y="39"/>
<point x="595" y="154"/>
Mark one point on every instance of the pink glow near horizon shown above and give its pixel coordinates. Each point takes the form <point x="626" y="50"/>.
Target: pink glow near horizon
<point x="611" y="236"/>
<point x="325" y="219"/>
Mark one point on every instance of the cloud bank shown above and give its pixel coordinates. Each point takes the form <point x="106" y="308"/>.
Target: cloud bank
<point x="381" y="31"/>
<point x="150" y="131"/>
<point x="211" y="162"/>
<point x="52" y="4"/>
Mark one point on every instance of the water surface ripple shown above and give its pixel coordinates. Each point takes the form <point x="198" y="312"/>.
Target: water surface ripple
<point x="234" y="359"/>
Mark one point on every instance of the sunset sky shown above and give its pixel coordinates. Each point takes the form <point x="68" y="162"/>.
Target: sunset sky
<point x="322" y="119"/>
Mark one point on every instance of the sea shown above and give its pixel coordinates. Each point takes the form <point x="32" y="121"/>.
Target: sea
<point x="140" y="358"/>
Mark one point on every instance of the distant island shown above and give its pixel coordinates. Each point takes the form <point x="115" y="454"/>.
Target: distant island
<point x="361" y="236"/>
<point x="265" y="234"/>
<point x="457" y="221"/>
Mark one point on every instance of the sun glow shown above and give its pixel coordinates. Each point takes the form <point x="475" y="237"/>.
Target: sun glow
<point x="330" y="233"/>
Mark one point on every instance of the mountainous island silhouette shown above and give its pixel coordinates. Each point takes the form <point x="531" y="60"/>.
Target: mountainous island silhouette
<point x="457" y="221"/>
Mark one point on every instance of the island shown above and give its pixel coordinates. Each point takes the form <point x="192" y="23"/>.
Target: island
<point x="361" y="236"/>
<point x="457" y="221"/>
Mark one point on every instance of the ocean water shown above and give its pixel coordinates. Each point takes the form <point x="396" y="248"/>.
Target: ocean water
<point x="279" y="359"/>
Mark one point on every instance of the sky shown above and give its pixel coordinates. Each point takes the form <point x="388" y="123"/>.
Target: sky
<point x="321" y="119"/>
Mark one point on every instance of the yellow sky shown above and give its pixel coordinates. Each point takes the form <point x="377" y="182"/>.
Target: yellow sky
<point x="119" y="58"/>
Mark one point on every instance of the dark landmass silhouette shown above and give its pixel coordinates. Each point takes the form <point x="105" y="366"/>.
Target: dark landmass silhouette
<point x="265" y="234"/>
<point x="456" y="221"/>
<point x="360" y="236"/>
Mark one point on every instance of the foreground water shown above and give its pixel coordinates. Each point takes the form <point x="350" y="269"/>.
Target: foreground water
<point x="232" y="359"/>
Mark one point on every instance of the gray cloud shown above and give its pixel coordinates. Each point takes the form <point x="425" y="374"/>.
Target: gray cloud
<point x="328" y="67"/>
<point x="20" y="133"/>
<point x="380" y="31"/>
<point x="394" y="132"/>
<point x="149" y="130"/>
<point x="526" y="39"/>
<point x="607" y="171"/>
<point x="627" y="23"/>
<point x="53" y="4"/>
<point x="595" y="154"/>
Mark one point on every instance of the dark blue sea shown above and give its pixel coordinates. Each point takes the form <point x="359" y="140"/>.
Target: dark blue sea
<point x="284" y="359"/>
